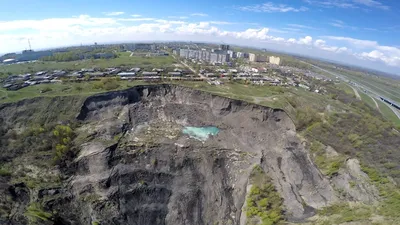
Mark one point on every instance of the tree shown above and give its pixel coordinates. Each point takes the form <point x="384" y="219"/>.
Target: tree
<point x="62" y="142"/>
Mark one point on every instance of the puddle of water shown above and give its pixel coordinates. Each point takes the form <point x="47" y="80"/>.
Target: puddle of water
<point x="200" y="133"/>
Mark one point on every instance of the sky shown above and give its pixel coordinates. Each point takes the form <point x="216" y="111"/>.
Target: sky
<point x="358" y="32"/>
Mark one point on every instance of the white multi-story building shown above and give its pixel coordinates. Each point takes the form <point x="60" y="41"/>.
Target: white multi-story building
<point x="204" y="55"/>
<point x="231" y="54"/>
<point x="275" y="60"/>
<point x="252" y="57"/>
<point x="184" y="53"/>
<point x="257" y="58"/>
<point x="213" y="57"/>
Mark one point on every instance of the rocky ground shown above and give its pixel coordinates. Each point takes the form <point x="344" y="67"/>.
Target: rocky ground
<point x="133" y="165"/>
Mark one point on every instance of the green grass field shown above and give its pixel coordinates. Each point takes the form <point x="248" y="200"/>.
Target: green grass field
<point x="383" y="85"/>
<point x="124" y="59"/>
<point x="60" y="89"/>
<point x="346" y="88"/>
<point x="367" y="99"/>
<point x="388" y="113"/>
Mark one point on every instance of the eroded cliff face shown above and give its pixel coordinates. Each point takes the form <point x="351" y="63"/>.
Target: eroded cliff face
<point x="136" y="166"/>
<point x="161" y="176"/>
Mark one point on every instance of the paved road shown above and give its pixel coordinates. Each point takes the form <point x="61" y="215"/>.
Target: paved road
<point x="373" y="93"/>
<point x="190" y="68"/>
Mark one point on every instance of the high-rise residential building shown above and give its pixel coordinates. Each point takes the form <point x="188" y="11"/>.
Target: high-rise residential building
<point x="223" y="58"/>
<point x="224" y="47"/>
<point x="231" y="53"/>
<point x="261" y="58"/>
<point x="214" y="57"/>
<point x="257" y="58"/>
<point x="275" y="60"/>
<point x="252" y="57"/>
<point x="184" y="53"/>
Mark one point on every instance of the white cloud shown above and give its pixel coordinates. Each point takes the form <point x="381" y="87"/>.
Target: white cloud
<point x="387" y="54"/>
<point x="301" y="26"/>
<point x="332" y="3"/>
<point x="178" y="17"/>
<point x="135" y="19"/>
<point x="271" y="7"/>
<point x="306" y="40"/>
<point x="343" y="50"/>
<point x="55" y="23"/>
<point x="260" y="34"/>
<point x="199" y="14"/>
<point x="114" y="13"/>
<point x="341" y="24"/>
<point x="321" y="44"/>
<point x="375" y="55"/>
<point x="348" y="4"/>
<point x="292" y="40"/>
<point x="356" y="42"/>
<point x="372" y="3"/>
<point x="54" y="32"/>
<point x="136" y="15"/>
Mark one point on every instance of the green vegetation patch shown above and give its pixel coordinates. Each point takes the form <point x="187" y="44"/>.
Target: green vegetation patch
<point x="328" y="164"/>
<point x="123" y="60"/>
<point x="36" y="214"/>
<point x="388" y="113"/>
<point x="263" y="202"/>
<point x="63" y="136"/>
<point x="343" y="212"/>
<point x="367" y="99"/>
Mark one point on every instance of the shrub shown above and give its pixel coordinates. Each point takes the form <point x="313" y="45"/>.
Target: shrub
<point x="63" y="135"/>
<point x="106" y="84"/>
<point x="78" y="88"/>
<point x="389" y="165"/>
<point x="5" y="172"/>
<point x="35" y="213"/>
<point x="46" y="89"/>
<point x="263" y="201"/>
<point x="328" y="166"/>
<point x="306" y="117"/>
<point x="111" y="85"/>
<point x="98" y="85"/>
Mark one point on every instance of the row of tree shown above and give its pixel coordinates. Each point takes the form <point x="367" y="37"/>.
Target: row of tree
<point x="79" y="55"/>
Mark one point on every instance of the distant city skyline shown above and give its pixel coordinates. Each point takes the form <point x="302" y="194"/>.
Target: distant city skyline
<point x="359" y="32"/>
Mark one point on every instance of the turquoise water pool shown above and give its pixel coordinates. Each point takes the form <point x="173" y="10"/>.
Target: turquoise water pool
<point x="201" y="133"/>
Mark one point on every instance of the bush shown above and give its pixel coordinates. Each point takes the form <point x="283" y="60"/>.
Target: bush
<point x="36" y="214"/>
<point x="63" y="135"/>
<point x="106" y="84"/>
<point x="306" y="117"/>
<point x="328" y="166"/>
<point x="5" y="172"/>
<point x="78" y="88"/>
<point x="98" y="85"/>
<point x="46" y="89"/>
<point x="111" y="85"/>
<point x="263" y="201"/>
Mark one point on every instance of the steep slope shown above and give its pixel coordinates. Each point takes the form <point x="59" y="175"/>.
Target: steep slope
<point x="130" y="163"/>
